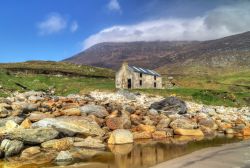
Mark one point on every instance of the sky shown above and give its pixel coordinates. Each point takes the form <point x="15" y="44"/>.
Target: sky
<point x="57" y="29"/>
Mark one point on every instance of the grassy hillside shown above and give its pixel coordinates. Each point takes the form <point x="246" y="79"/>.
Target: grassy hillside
<point x="62" y="85"/>
<point x="49" y="67"/>
<point x="211" y="86"/>
<point x="64" y="78"/>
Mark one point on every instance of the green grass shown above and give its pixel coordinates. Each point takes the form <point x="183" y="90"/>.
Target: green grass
<point x="63" y="85"/>
<point x="209" y="97"/>
<point x="50" y="67"/>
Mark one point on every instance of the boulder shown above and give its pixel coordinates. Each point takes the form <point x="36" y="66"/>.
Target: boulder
<point x="37" y="116"/>
<point x="246" y="131"/>
<point x="121" y="136"/>
<point x="16" y="119"/>
<point x="126" y="94"/>
<point x="114" y="123"/>
<point x="146" y="128"/>
<point x="29" y="107"/>
<point x="170" y="105"/>
<point x="64" y="156"/>
<point x="147" y="121"/>
<point x="3" y="112"/>
<point x="30" y="152"/>
<point x="33" y="136"/>
<point x="135" y="119"/>
<point x="72" y="125"/>
<point x="11" y="147"/>
<point x="163" y="124"/>
<point x="183" y="123"/>
<point x="71" y="112"/>
<point x="169" y="132"/>
<point x="208" y="122"/>
<point x="207" y="131"/>
<point x="188" y="132"/>
<point x="142" y="135"/>
<point x="98" y="111"/>
<point x="10" y="125"/>
<point x="90" y="142"/>
<point x="59" y="144"/>
<point x="159" y="135"/>
<point x="229" y="131"/>
<point x="153" y="112"/>
<point x="26" y="124"/>
<point x="35" y="98"/>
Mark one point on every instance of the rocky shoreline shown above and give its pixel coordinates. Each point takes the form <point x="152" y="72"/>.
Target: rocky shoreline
<point x="37" y="128"/>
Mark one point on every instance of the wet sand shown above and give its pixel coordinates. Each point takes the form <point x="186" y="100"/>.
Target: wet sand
<point x="236" y="155"/>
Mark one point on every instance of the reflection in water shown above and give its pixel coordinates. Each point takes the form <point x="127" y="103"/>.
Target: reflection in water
<point x="146" y="153"/>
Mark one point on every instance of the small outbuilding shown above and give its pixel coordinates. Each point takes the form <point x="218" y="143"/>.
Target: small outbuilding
<point x="133" y="77"/>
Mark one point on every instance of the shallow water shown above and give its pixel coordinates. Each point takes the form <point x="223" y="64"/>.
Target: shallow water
<point x="142" y="154"/>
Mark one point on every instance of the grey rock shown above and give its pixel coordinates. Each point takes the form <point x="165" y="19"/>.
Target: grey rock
<point x="4" y="100"/>
<point x="16" y="119"/>
<point x="11" y="147"/>
<point x="207" y="122"/>
<point x="170" y="105"/>
<point x="128" y="95"/>
<point x="3" y="112"/>
<point x="153" y="112"/>
<point x="64" y="156"/>
<point x="163" y="124"/>
<point x="33" y="136"/>
<point x="90" y="142"/>
<point x="98" y="111"/>
<point x="183" y="123"/>
<point x="24" y="107"/>
<point x="35" y="98"/>
<point x="71" y="125"/>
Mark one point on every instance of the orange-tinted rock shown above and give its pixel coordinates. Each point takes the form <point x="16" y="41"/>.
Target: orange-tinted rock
<point x="26" y="123"/>
<point x="71" y="112"/>
<point x="246" y="131"/>
<point x="147" y="128"/>
<point x="37" y="116"/>
<point x="114" y="123"/>
<point x="58" y="144"/>
<point x="159" y="135"/>
<point x="29" y="152"/>
<point x="142" y="135"/>
<point x="191" y="132"/>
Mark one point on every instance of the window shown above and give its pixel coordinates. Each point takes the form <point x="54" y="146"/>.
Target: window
<point x="140" y="82"/>
<point x="155" y="77"/>
<point x="154" y="84"/>
<point x="140" y="74"/>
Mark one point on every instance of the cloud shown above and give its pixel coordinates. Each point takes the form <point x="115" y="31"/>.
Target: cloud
<point x="220" y="22"/>
<point x="74" y="26"/>
<point x="114" y="5"/>
<point x="54" y="23"/>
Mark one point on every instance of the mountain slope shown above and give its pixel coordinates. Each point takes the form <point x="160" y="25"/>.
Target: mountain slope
<point x="64" y="68"/>
<point x="232" y="52"/>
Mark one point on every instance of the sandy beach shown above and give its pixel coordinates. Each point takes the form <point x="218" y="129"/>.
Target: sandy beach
<point x="236" y="155"/>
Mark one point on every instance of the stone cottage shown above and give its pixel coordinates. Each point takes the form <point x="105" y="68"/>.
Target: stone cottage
<point x="132" y="77"/>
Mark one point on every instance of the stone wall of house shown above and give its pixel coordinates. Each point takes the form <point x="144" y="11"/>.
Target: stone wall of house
<point x="148" y="81"/>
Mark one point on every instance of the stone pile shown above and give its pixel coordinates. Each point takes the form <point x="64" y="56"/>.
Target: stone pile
<point x="45" y="128"/>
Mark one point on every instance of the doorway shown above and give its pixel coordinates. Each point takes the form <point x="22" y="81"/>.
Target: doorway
<point x="129" y="83"/>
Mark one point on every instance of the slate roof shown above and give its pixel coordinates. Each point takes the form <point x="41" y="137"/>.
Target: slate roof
<point x="144" y="71"/>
